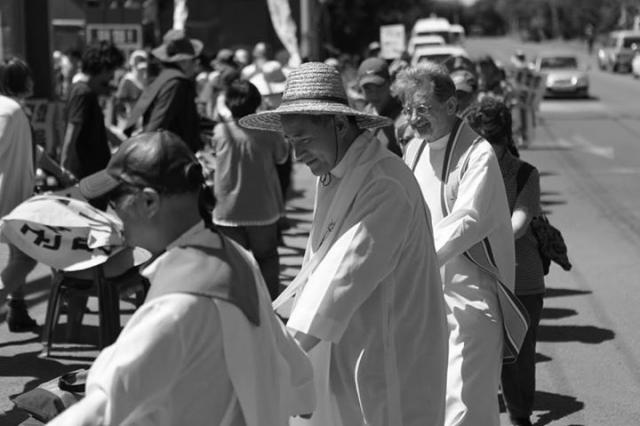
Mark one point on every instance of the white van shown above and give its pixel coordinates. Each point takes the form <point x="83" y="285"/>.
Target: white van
<point x="432" y="26"/>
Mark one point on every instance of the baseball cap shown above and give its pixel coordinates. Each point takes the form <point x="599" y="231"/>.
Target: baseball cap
<point x="373" y="70"/>
<point x="160" y="160"/>
<point x="464" y="81"/>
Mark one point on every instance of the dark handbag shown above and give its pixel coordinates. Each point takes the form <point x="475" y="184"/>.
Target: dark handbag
<point x="551" y="245"/>
<point x="53" y="397"/>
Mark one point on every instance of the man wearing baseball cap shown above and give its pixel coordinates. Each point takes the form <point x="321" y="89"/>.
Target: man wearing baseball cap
<point x="375" y="82"/>
<point x="170" y="101"/>
<point x="205" y="347"/>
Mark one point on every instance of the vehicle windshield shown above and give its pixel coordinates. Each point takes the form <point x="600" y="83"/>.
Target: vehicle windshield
<point x="558" y="62"/>
<point x="434" y="58"/>
<point x="630" y="41"/>
<point x="431" y="43"/>
<point x="443" y="34"/>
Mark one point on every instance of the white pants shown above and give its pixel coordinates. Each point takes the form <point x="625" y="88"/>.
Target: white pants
<point x="475" y="355"/>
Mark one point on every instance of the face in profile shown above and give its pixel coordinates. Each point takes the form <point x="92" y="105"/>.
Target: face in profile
<point x="314" y="141"/>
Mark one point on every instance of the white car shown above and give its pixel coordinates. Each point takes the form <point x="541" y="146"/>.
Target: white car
<point x="563" y="75"/>
<point x="635" y="64"/>
<point x="425" y="41"/>
<point x="437" y="54"/>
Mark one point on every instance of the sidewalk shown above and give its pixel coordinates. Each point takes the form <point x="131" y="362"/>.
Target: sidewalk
<point x="21" y="366"/>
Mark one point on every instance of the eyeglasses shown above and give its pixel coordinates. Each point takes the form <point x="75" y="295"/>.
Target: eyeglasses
<point x="420" y="109"/>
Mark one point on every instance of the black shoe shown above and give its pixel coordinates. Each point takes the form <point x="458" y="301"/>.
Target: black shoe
<point x="18" y="318"/>
<point x="520" y="421"/>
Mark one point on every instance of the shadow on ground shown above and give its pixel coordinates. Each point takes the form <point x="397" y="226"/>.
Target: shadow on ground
<point x="557" y="313"/>
<point x="555" y="407"/>
<point x="574" y="333"/>
<point x="561" y="292"/>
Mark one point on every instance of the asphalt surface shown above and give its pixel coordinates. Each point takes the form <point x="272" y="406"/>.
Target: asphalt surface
<point x="588" y="152"/>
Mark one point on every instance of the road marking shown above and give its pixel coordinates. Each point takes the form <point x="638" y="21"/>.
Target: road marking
<point x="577" y="142"/>
<point x="586" y="145"/>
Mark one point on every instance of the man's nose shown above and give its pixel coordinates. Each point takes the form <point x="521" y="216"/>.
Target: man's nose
<point x="298" y="151"/>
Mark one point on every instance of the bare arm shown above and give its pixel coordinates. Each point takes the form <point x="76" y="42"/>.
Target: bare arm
<point x="69" y="156"/>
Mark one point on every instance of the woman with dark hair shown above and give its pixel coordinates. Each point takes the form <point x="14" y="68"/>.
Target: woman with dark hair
<point x="248" y="196"/>
<point x="492" y="119"/>
<point x="19" y="156"/>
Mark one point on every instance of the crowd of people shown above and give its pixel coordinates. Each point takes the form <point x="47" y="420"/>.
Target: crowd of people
<point x="421" y="286"/>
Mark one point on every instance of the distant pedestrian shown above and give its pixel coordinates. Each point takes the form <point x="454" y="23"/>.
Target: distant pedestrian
<point x="261" y="54"/>
<point x="466" y="85"/>
<point x="132" y="83"/>
<point x="248" y="197"/>
<point x="375" y="82"/>
<point x="19" y="157"/>
<point x="492" y="119"/>
<point x="85" y="148"/>
<point x="169" y="102"/>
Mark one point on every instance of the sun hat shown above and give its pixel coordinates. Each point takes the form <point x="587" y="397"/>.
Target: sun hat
<point x="314" y="88"/>
<point x="373" y="70"/>
<point x="160" y="160"/>
<point x="271" y="81"/>
<point x="177" y="47"/>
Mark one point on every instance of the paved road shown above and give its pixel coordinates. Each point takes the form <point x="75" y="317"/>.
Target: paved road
<point x="589" y="154"/>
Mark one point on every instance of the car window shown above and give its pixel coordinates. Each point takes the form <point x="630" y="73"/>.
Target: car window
<point x="630" y="41"/>
<point x="558" y="62"/>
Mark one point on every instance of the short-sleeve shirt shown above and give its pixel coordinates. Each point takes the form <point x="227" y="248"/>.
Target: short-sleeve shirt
<point x="16" y="156"/>
<point x="529" y="270"/>
<point x="91" y="145"/>
<point x="246" y="184"/>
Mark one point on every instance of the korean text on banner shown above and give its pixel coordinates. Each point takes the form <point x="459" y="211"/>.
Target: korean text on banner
<point x="285" y="27"/>
<point x="392" y="41"/>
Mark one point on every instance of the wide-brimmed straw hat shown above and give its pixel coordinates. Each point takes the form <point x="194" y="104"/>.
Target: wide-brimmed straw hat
<point x="177" y="47"/>
<point x="313" y="88"/>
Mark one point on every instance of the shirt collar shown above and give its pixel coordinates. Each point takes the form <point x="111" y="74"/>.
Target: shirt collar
<point x="187" y="236"/>
<point x="352" y="153"/>
<point x="440" y="142"/>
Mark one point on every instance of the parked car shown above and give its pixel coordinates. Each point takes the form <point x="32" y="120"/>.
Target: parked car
<point x="617" y="51"/>
<point x="437" y="54"/>
<point x="635" y="64"/>
<point x="562" y="74"/>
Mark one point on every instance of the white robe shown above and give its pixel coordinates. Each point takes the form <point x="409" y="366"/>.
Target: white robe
<point x="475" y="321"/>
<point x="375" y="300"/>
<point x="193" y="360"/>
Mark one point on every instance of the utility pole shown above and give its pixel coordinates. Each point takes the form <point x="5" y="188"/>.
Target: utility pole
<point x="308" y="30"/>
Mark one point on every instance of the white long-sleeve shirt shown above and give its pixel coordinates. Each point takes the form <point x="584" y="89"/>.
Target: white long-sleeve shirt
<point x="375" y="299"/>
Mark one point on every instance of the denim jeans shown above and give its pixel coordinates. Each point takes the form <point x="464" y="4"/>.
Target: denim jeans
<point x="519" y="378"/>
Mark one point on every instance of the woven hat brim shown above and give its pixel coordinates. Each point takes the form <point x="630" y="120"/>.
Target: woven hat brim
<point x="160" y="52"/>
<point x="270" y="120"/>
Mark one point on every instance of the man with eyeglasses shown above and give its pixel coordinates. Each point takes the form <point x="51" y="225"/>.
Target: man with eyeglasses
<point x="205" y="348"/>
<point x="461" y="182"/>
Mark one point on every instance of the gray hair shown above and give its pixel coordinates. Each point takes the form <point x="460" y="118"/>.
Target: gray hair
<point x="425" y="76"/>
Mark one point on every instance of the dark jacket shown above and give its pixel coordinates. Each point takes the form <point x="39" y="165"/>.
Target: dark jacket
<point x="169" y="103"/>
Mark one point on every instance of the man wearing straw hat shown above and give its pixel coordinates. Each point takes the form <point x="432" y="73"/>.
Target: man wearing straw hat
<point x="368" y="307"/>
<point x="170" y="101"/>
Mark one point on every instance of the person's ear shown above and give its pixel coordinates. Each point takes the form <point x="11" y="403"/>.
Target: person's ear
<point x="452" y="105"/>
<point x="150" y="202"/>
<point x="342" y="124"/>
